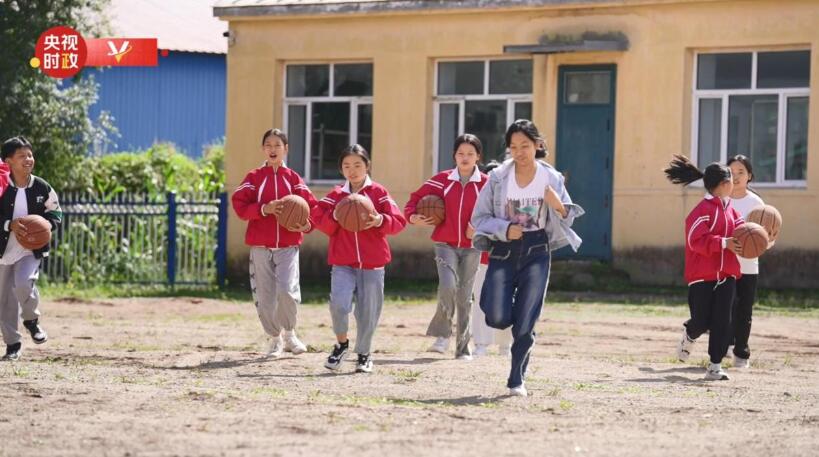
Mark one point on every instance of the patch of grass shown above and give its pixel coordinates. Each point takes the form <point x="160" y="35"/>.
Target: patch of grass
<point x="20" y="372"/>
<point x="405" y="375"/>
<point x="581" y="386"/>
<point x="270" y="392"/>
<point x="566" y="405"/>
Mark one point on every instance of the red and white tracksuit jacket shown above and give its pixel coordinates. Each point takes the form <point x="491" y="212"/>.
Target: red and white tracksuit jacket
<point x="459" y="200"/>
<point x="260" y="187"/>
<point x="705" y="227"/>
<point x="367" y="249"/>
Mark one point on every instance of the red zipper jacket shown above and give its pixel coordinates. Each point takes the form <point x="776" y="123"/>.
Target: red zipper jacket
<point x="705" y="227"/>
<point x="459" y="200"/>
<point x="367" y="249"/>
<point x="260" y="187"/>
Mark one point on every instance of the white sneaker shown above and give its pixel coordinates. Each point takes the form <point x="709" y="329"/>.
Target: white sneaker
<point x="742" y="364"/>
<point x="519" y="391"/>
<point x="481" y="350"/>
<point x="440" y="345"/>
<point x="685" y="347"/>
<point x="505" y="351"/>
<point x="466" y="357"/>
<point x="716" y="373"/>
<point x="293" y="344"/>
<point x="276" y="347"/>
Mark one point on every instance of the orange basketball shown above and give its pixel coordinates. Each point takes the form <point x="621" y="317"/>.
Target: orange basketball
<point x="38" y="232"/>
<point x="432" y="207"/>
<point x="353" y="211"/>
<point x="753" y="238"/>
<point x="294" y="212"/>
<point x="768" y="217"/>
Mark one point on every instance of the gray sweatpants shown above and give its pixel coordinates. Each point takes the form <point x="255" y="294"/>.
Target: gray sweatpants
<point x="18" y="295"/>
<point x="456" y="275"/>
<point x="274" y="280"/>
<point x="367" y="286"/>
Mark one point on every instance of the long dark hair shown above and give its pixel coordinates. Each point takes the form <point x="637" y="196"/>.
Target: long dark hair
<point x="468" y="138"/>
<point x="682" y="171"/>
<point x="528" y="128"/>
<point x="746" y="162"/>
<point x="354" y="150"/>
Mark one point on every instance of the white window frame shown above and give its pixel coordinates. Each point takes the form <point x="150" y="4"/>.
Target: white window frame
<point x="307" y="102"/>
<point x="460" y="100"/>
<point x="783" y="95"/>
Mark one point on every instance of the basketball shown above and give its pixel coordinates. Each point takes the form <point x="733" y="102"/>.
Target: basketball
<point x="353" y="211"/>
<point x="432" y="207"/>
<point x="38" y="232"/>
<point x="753" y="238"/>
<point x="294" y="212"/>
<point x="768" y="217"/>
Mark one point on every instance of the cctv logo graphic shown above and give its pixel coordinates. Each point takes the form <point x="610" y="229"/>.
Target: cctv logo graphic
<point x="118" y="54"/>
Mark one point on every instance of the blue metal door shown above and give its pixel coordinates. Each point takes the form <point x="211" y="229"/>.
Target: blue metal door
<point x="585" y="151"/>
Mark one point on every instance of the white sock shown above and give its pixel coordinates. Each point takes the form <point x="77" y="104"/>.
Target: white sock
<point x="715" y="367"/>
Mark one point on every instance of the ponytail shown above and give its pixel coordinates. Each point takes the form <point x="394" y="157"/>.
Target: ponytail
<point x="682" y="171"/>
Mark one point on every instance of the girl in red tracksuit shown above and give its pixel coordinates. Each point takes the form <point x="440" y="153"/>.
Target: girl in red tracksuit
<point x="274" y="250"/>
<point x="456" y="259"/>
<point x="711" y="265"/>
<point x="357" y="258"/>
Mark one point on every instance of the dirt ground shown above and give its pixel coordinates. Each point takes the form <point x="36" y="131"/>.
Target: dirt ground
<point x="181" y="376"/>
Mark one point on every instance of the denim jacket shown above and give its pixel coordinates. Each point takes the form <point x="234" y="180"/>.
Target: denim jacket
<point x="489" y="215"/>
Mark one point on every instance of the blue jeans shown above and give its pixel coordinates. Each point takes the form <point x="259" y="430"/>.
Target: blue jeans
<point x="513" y="293"/>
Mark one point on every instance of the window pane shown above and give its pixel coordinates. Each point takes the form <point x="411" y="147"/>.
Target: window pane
<point x="523" y="110"/>
<point x="353" y="79"/>
<point x="296" y="136"/>
<point x="460" y="78"/>
<point x="796" y="147"/>
<point x="724" y="71"/>
<point x="752" y="124"/>
<point x="709" y="131"/>
<point x="487" y="120"/>
<point x="447" y="132"/>
<point x="510" y="77"/>
<point x="330" y="134"/>
<point x="783" y="69"/>
<point x="365" y="127"/>
<point x="587" y="87"/>
<point x="308" y="80"/>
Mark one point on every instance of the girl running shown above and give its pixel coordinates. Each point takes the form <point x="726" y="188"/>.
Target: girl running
<point x="274" y="250"/>
<point x="744" y="200"/>
<point x="711" y="266"/>
<point x="522" y="214"/>
<point x="456" y="259"/>
<point x="357" y="258"/>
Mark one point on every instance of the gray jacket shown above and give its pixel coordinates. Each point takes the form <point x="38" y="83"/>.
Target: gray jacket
<point x="489" y="215"/>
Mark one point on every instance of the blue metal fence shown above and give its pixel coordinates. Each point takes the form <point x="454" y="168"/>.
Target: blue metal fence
<point x="129" y="238"/>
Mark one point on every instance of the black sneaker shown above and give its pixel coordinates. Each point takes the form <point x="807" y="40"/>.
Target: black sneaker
<point x="365" y="364"/>
<point x="339" y="353"/>
<point x="38" y="335"/>
<point x="13" y="351"/>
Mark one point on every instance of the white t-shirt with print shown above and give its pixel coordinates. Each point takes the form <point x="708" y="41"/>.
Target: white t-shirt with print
<point x="14" y="251"/>
<point x="524" y="206"/>
<point x="744" y="206"/>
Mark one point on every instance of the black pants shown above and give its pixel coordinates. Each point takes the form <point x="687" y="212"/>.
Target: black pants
<point x="710" y="304"/>
<point x="741" y="318"/>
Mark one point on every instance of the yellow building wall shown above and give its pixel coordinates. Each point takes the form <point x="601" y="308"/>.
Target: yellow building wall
<point x="653" y="111"/>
